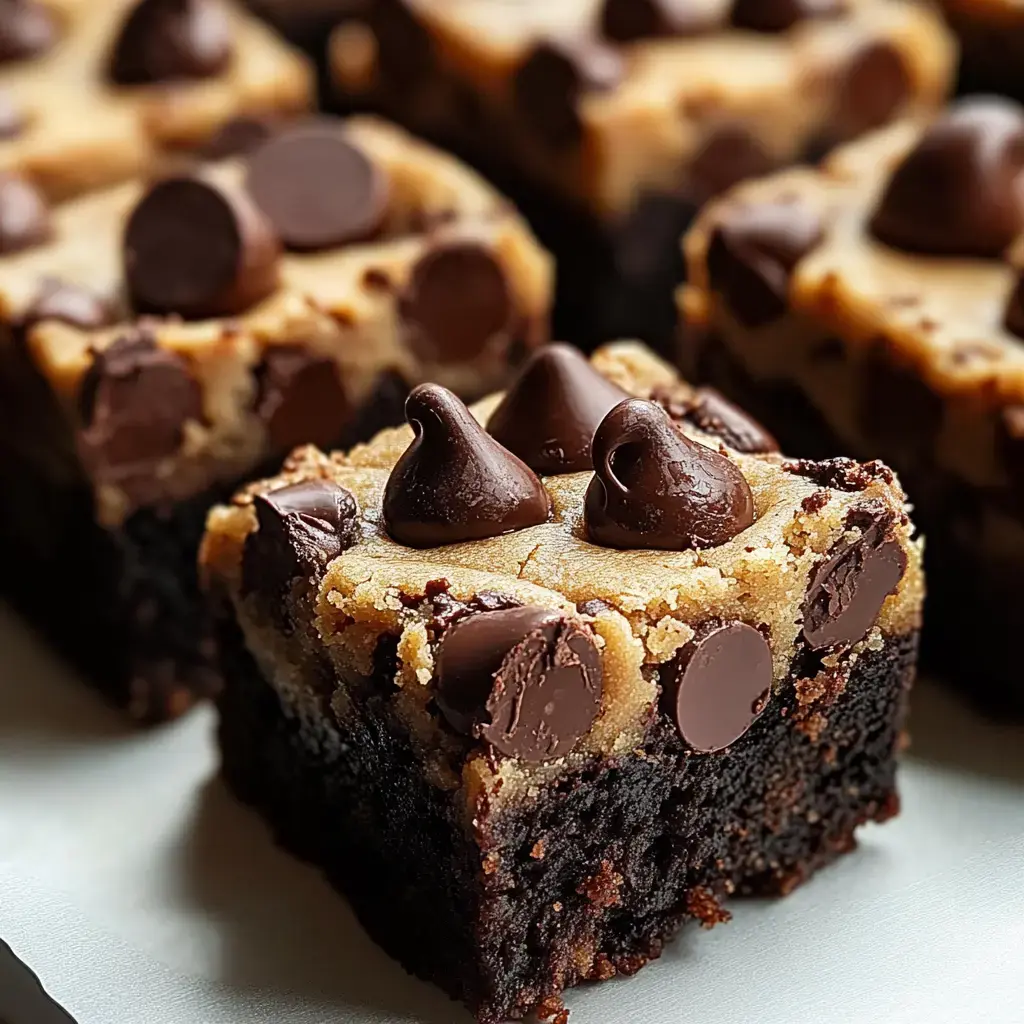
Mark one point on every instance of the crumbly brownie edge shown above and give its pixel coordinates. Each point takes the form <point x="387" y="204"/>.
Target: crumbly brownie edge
<point x="594" y="877"/>
<point x="968" y="592"/>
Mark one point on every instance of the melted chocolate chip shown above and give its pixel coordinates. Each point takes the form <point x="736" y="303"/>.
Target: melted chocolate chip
<point x="551" y="82"/>
<point x="24" y="215"/>
<point x="301" y="527"/>
<point x="625" y="21"/>
<point x="718" y="685"/>
<point x="713" y="413"/>
<point x="135" y="401"/>
<point x="22" y="998"/>
<point x="525" y="679"/>
<point x="730" y="154"/>
<point x="167" y="40"/>
<point x="12" y="118"/>
<point x="655" y="488"/>
<point x="752" y="254"/>
<point x="240" y="136"/>
<point x="873" y="88"/>
<point x="1014" y="321"/>
<point x="960" y="190"/>
<point x="848" y="589"/>
<point x="27" y="29"/>
<point x="198" y="249"/>
<point x="550" y="413"/>
<point x="71" y="304"/>
<point x="301" y="399"/>
<point x="318" y="189"/>
<point x="457" y="303"/>
<point x="781" y="15"/>
<point x="455" y="482"/>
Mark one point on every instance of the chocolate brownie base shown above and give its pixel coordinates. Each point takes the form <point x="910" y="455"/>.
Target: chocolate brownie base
<point x="591" y="878"/>
<point x="966" y="593"/>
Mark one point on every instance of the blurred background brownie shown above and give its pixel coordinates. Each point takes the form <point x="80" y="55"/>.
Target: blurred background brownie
<point x="93" y="93"/>
<point x="610" y="122"/>
<point x="162" y="340"/>
<point x="875" y="307"/>
<point x="533" y="722"/>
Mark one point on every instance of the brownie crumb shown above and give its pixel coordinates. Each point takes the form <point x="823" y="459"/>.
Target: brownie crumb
<point x="551" y="1008"/>
<point x="842" y="474"/>
<point x="604" y="888"/>
<point x="537" y="852"/>
<point x="703" y="904"/>
<point x="817" y="501"/>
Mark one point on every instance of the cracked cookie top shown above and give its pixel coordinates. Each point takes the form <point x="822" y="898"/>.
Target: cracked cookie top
<point x="587" y="632"/>
<point x="281" y="289"/>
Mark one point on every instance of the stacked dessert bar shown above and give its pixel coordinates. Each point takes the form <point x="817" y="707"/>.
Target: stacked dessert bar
<point x="538" y="681"/>
<point x="613" y="121"/>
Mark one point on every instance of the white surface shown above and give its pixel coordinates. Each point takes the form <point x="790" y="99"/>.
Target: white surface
<point x="142" y="895"/>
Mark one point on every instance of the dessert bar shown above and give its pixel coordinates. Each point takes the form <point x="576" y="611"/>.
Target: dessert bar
<point x="611" y="122"/>
<point x="536" y="683"/>
<point x="875" y="307"/>
<point x="164" y="340"/>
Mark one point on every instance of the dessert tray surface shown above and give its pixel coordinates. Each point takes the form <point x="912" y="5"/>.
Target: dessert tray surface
<point x="140" y="892"/>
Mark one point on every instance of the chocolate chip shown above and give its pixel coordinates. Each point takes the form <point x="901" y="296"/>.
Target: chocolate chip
<point x="301" y="527"/>
<point x="713" y="413"/>
<point x="718" y="685"/>
<point x="71" y="304"/>
<point x="730" y="154"/>
<point x="198" y="249"/>
<point x="959" y="191"/>
<point x="135" y="400"/>
<point x="655" y="488"/>
<point x="239" y="136"/>
<point x="781" y="15"/>
<point x="848" y="589"/>
<point x="27" y="29"/>
<point x="12" y="118"/>
<point x="752" y="254"/>
<point x="455" y="482"/>
<point x="318" y="189"/>
<point x="550" y="413"/>
<point x="301" y="398"/>
<point x="167" y="40"/>
<point x="628" y="20"/>
<point x="457" y="303"/>
<point x="1014" y="320"/>
<point x="525" y="679"/>
<point x="551" y="82"/>
<point x="873" y="88"/>
<point x="24" y="215"/>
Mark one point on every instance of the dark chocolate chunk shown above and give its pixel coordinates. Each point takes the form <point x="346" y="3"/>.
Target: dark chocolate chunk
<point x="168" y="40"/>
<point x="240" y="136"/>
<point x="960" y="190"/>
<point x="301" y="527"/>
<point x="874" y="86"/>
<point x="1014" y="320"/>
<point x="713" y="413"/>
<point x="655" y="488"/>
<point x="525" y="679"/>
<point x="752" y="254"/>
<point x="781" y="15"/>
<point x="551" y="81"/>
<point x="625" y="21"/>
<point x="135" y="400"/>
<point x="318" y="189"/>
<point x="848" y="589"/>
<point x="550" y="413"/>
<point x="22" y="997"/>
<point x="71" y="304"/>
<point x="455" y="482"/>
<point x="301" y="398"/>
<point x="24" y="215"/>
<point x="718" y="685"/>
<point x="730" y="154"/>
<point x="198" y="249"/>
<point x="27" y="29"/>
<point x="457" y="303"/>
<point x="12" y="118"/>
